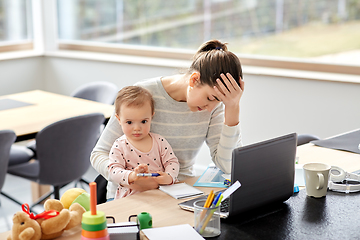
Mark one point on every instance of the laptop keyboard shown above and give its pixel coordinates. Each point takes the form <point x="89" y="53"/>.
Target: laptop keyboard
<point x="224" y="206"/>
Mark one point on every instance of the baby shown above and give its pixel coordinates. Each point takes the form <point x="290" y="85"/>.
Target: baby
<point x="138" y="151"/>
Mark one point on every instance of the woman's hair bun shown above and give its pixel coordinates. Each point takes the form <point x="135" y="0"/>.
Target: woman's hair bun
<point x="212" y="45"/>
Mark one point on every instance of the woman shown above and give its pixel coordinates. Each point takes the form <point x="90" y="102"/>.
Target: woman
<point x="199" y="105"/>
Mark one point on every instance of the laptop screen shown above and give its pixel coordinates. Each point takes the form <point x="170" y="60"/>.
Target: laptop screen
<point x="266" y="172"/>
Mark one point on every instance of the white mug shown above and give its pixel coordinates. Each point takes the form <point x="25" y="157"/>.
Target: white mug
<point x="316" y="179"/>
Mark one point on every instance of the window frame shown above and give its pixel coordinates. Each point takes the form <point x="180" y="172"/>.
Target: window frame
<point x="11" y="46"/>
<point x="182" y="54"/>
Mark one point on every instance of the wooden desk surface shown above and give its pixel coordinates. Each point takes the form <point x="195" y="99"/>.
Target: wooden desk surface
<point x="307" y="153"/>
<point x="165" y="211"/>
<point x="47" y="108"/>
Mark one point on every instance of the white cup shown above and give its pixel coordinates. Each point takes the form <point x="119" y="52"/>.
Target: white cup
<point x="316" y="179"/>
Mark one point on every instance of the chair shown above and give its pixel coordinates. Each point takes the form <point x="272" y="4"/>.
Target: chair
<point x="306" y="138"/>
<point x="63" y="153"/>
<point x="101" y="184"/>
<point x="7" y="138"/>
<point x="103" y="92"/>
<point x="20" y="154"/>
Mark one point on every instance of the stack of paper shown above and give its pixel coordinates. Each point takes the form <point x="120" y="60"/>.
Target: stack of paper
<point x="123" y="231"/>
<point x="180" y="190"/>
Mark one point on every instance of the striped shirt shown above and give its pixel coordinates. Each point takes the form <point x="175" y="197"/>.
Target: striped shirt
<point x="185" y="130"/>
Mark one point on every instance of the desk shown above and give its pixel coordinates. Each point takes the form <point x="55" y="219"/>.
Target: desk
<point x="45" y="108"/>
<point x="300" y="217"/>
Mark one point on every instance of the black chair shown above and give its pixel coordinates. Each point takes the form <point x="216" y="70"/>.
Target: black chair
<point x="20" y="154"/>
<point x="7" y="138"/>
<point x="63" y="153"/>
<point x="101" y="184"/>
<point x="306" y="138"/>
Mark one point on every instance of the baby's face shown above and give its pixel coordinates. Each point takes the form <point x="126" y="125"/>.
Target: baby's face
<point x="135" y="121"/>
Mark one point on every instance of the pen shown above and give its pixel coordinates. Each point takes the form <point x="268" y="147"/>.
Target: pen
<point x="147" y="174"/>
<point x="216" y="199"/>
<point x="209" y="199"/>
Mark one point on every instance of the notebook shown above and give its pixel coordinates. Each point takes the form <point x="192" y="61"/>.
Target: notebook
<point x="266" y="172"/>
<point x="180" y="190"/>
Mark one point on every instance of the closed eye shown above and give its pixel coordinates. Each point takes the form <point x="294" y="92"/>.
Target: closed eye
<point x="214" y="98"/>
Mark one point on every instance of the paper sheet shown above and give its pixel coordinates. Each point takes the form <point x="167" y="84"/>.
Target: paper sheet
<point x="177" y="232"/>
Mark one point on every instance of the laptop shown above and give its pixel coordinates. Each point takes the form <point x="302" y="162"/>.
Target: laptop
<point x="266" y="172"/>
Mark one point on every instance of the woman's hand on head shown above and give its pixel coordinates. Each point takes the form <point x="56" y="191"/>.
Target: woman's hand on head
<point x="230" y="93"/>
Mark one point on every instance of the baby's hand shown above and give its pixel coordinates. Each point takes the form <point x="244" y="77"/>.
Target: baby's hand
<point x="164" y="178"/>
<point x="142" y="168"/>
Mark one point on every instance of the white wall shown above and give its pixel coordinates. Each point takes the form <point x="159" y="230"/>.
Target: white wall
<point x="18" y="75"/>
<point x="271" y="106"/>
<point x="274" y="105"/>
<point x="63" y="75"/>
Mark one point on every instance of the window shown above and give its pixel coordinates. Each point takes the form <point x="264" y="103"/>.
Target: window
<point x="317" y="31"/>
<point x="15" y="25"/>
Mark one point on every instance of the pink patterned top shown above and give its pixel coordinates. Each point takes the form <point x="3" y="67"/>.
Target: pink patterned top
<point x="124" y="158"/>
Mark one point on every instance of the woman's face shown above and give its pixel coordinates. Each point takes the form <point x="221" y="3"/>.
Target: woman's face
<point x="201" y="97"/>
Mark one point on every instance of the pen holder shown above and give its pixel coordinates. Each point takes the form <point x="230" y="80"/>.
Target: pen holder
<point x="206" y="220"/>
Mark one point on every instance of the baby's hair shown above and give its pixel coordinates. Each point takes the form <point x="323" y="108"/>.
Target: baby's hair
<point x="212" y="59"/>
<point x="133" y="96"/>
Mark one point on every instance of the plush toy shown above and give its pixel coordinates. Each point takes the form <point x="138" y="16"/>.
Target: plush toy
<point x="24" y="228"/>
<point x="67" y="219"/>
<point x="47" y="225"/>
<point x="74" y="195"/>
